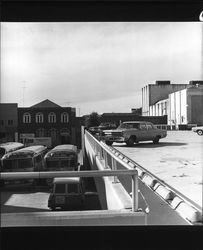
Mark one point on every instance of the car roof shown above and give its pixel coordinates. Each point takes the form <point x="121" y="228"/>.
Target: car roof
<point x="65" y="180"/>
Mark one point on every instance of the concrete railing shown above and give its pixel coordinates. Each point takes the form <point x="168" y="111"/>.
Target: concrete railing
<point x="102" y="158"/>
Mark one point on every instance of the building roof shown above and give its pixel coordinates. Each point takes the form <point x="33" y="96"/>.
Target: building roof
<point x="46" y="104"/>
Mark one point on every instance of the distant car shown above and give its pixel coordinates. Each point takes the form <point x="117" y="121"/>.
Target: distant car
<point x="198" y="130"/>
<point x="133" y="132"/>
<point x="107" y="125"/>
<point x="94" y="130"/>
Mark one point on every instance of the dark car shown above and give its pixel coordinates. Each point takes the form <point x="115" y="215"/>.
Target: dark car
<point x="94" y="130"/>
<point x="107" y="125"/>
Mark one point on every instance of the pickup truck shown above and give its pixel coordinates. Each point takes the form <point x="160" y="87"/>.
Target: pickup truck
<point x="133" y="132"/>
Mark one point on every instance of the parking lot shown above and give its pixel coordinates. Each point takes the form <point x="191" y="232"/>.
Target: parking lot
<point x="177" y="160"/>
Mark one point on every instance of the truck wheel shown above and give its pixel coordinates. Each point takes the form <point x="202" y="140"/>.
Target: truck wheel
<point x="53" y="208"/>
<point x="109" y="143"/>
<point x="130" y="142"/>
<point x="199" y="132"/>
<point x="156" y="140"/>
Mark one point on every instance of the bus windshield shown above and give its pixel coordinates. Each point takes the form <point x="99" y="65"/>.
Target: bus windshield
<point x="2" y="152"/>
<point x="64" y="163"/>
<point x="15" y="164"/>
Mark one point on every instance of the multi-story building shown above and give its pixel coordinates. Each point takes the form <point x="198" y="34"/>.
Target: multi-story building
<point x="153" y="93"/>
<point x="48" y="119"/>
<point x="8" y="122"/>
<point x="186" y="106"/>
<point x="182" y="106"/>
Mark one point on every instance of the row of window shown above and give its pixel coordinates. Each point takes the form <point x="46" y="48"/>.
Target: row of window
<point x="39" y="118"/>
<point x="3" y="122"/>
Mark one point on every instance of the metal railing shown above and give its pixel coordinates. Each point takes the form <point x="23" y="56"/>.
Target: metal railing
<point x="93" y="173"/>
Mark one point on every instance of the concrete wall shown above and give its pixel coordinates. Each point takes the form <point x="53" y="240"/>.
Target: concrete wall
<point x="112" y="195"/>
<point x="185" y="107"/>
<point x="195" y="105"/>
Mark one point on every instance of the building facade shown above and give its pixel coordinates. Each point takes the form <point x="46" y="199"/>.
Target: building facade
<point x="183" y="106"/>
<point x="154" y="93"/>
<point x="186" y="106"/>
<point x="48" y="119"/>
<point x="8" y="122"/>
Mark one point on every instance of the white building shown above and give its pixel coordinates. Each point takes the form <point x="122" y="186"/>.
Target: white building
<point x="186" y="106"/>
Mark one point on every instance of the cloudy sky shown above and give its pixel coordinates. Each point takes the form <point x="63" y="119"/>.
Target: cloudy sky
<point x="98" y="67"/>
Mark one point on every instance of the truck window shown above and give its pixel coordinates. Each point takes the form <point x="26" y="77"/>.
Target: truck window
<point x="149" y="126"/>
<point x="143" y="126"/>
<point x="73" y="188"/>
<point x="60" y="188"/>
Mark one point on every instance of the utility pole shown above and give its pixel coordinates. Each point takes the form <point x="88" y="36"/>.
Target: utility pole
<point x="23" y="91"/>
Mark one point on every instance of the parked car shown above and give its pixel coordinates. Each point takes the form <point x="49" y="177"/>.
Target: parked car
<point x="198" y="130"/>
<point x="66" y="193"/>
<point x="133" y="132"/>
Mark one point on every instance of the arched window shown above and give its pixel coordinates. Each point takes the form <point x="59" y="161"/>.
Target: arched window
<point x="64" y="117"/>
<point x="52" y="117"/>
<point x="39" y="118"/>
<point x="26" y="118"/>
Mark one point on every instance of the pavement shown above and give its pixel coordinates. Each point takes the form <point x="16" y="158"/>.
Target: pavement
<point x="177" y="160"/>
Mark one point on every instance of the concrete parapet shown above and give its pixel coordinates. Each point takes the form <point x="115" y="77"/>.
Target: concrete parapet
<point x="188" y="212"/>
<point x="156" y="186"/>
<point x="175" y="202"/>
<point x="149" y="181"/>
<point x="140" y="172"/>
<point x="164" y="192"/>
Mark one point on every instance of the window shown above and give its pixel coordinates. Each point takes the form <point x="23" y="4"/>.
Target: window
<point x="26" y="118"/>
<point x="10" y="122"/>
<point x="1" y="122"/>
<point x="149" y="126"/>
<point x="60" y="188"/>
<point x="39" y="118"/>
<point x="143" y="126"/>
<point x="64" y="117"/>
<point x="52" y="118"/>
<point x="73" y="188"/>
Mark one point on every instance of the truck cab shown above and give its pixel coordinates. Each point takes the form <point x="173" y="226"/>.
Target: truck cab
<point x="67" y="193"/>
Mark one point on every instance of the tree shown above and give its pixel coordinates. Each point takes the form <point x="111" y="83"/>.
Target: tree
<point x="92" y="120"/>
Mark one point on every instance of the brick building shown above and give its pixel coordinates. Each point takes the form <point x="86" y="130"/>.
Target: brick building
<point x="48" y="119"/>
<point x="8" y="121"/>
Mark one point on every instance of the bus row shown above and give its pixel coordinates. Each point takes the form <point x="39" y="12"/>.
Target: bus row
<point x="16" y="158"/>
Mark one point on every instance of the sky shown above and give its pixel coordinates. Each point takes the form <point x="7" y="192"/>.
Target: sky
<point x="99" y="66"/>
